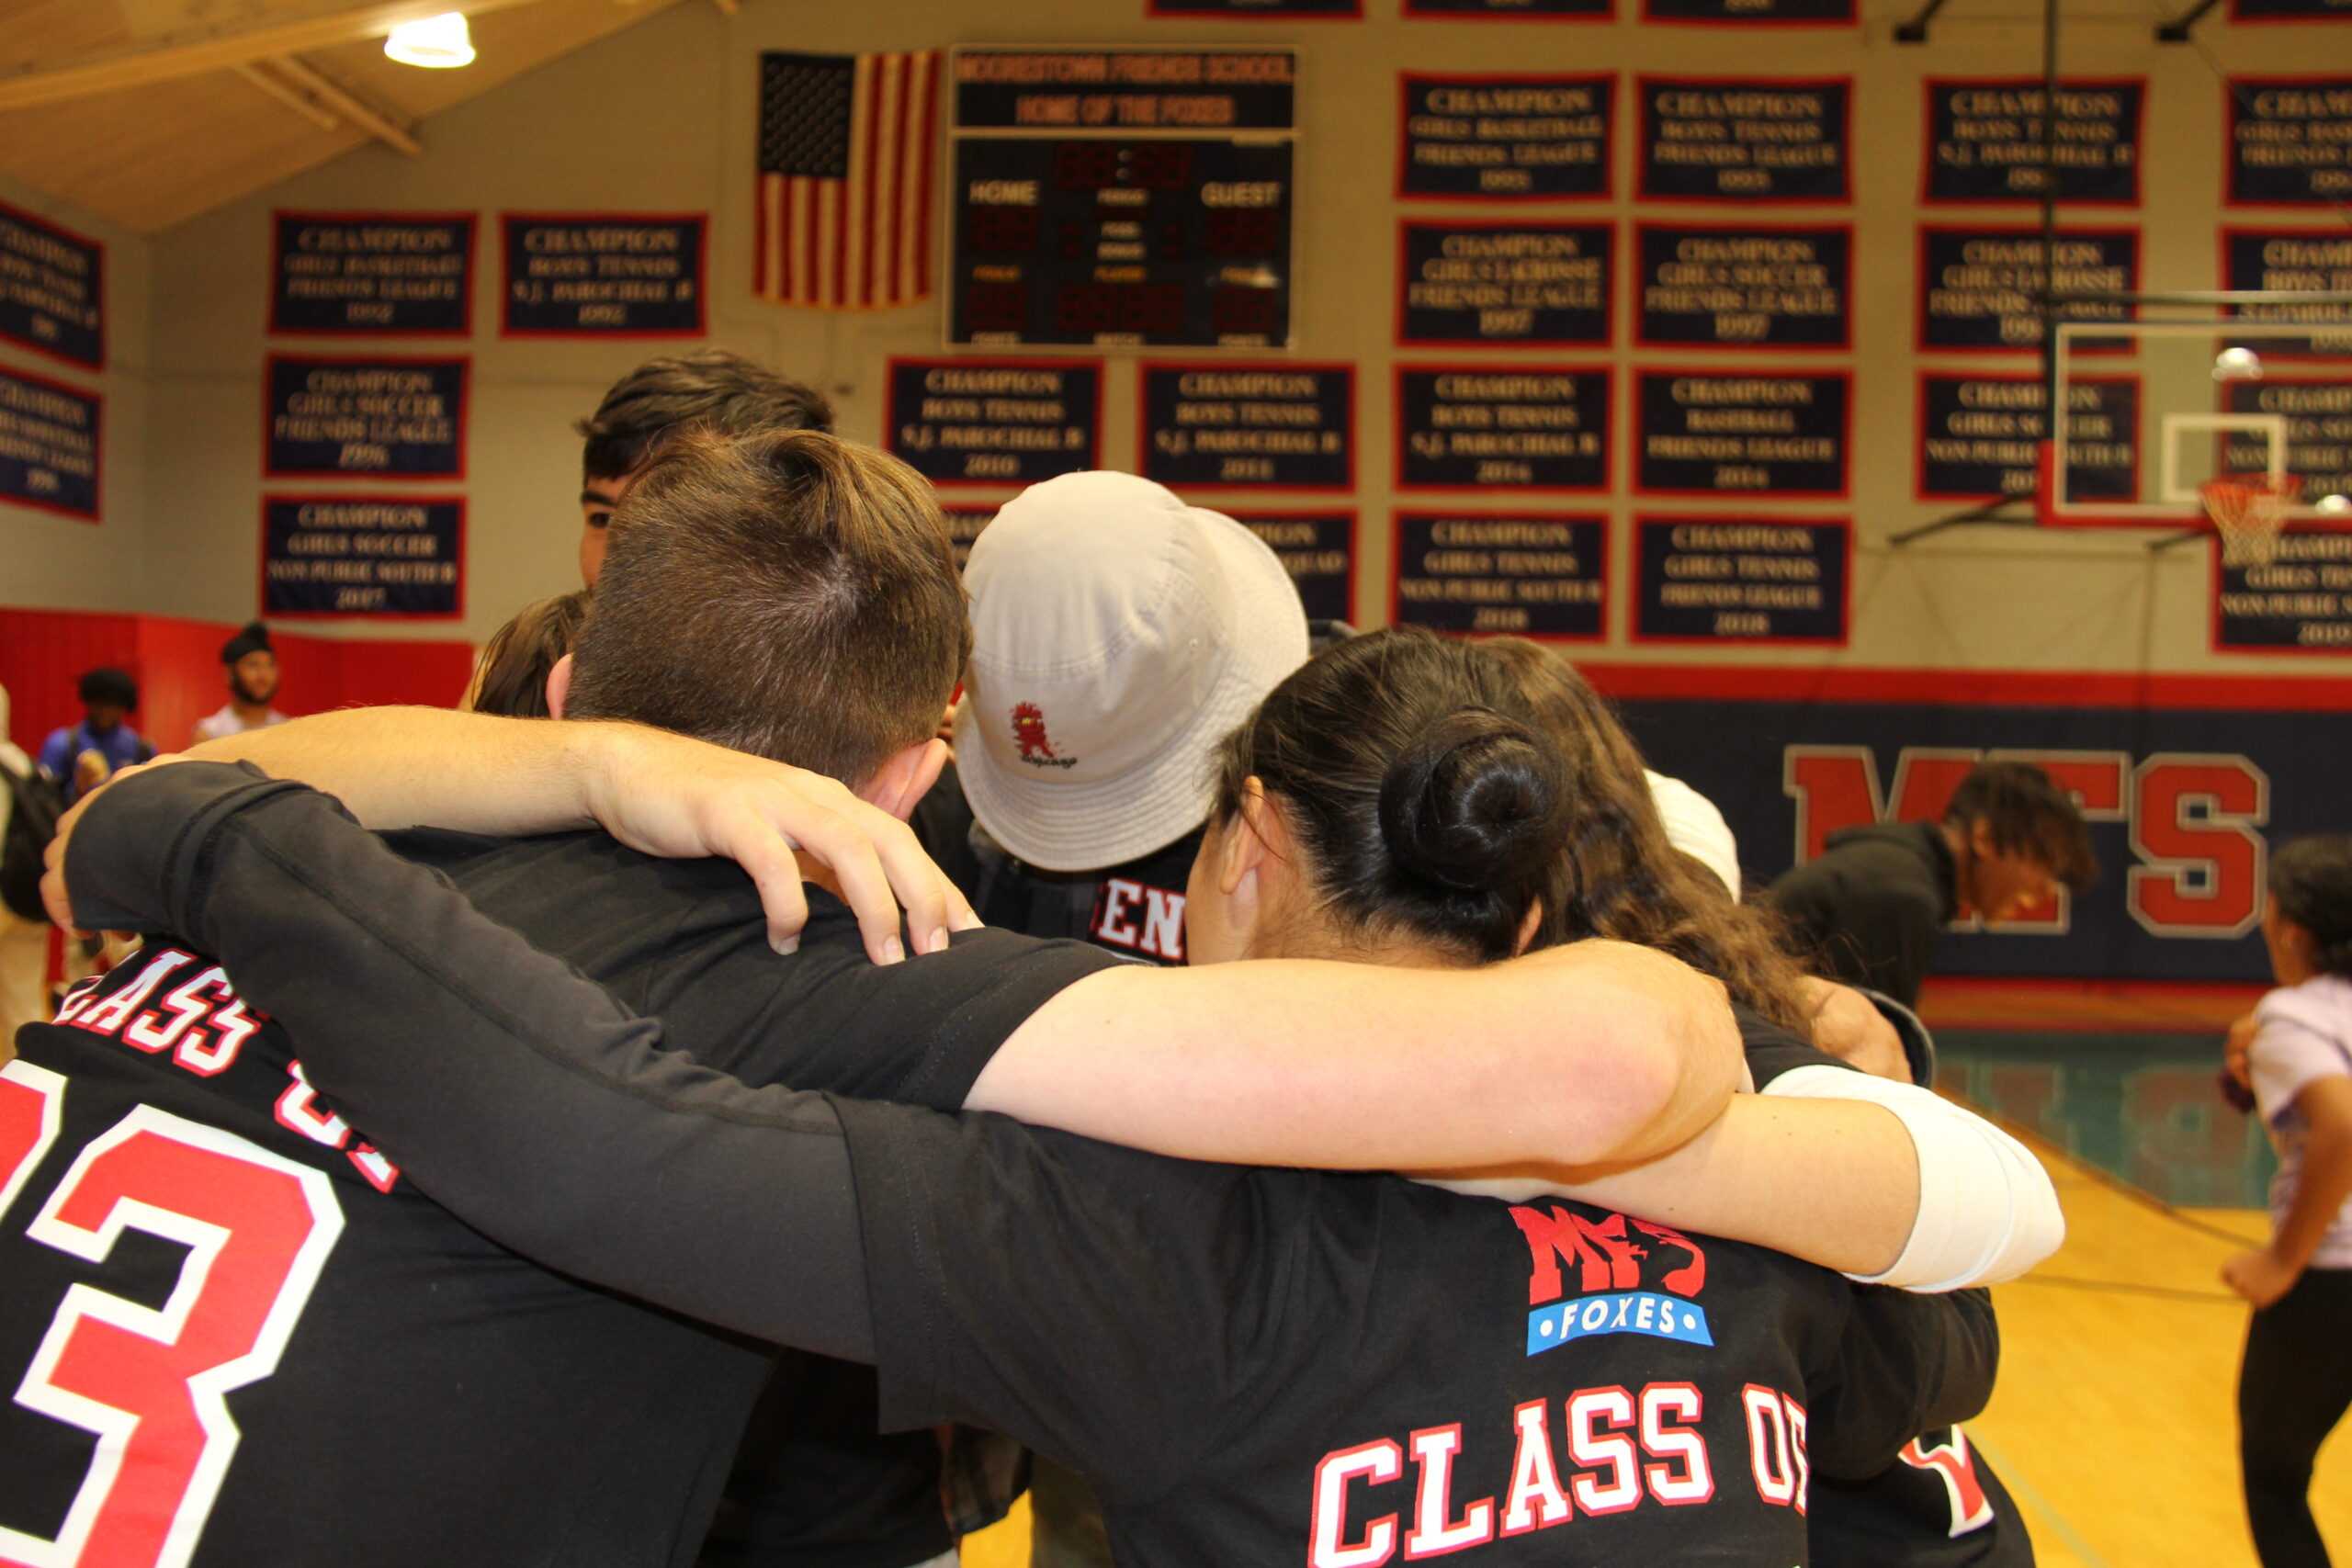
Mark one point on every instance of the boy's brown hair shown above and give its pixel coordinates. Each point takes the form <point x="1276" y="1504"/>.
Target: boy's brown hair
<point x="790" y="594"/>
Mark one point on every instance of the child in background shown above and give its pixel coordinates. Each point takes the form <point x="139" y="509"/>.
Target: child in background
<point x="2296" y="1380"/>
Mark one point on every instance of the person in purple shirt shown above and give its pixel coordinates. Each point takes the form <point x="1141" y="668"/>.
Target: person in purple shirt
<point x="2296" y="1380"/>
<point x="81" y="757"/>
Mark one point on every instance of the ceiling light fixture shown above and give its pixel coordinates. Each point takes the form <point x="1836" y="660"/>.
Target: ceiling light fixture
<point x="437" y="43"/>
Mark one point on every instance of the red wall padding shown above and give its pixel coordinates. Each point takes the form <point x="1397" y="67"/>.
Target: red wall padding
<point x="43" y="654"/>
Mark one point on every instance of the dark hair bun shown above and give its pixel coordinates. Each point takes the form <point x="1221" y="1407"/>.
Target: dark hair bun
<point x="1474" y="806"/>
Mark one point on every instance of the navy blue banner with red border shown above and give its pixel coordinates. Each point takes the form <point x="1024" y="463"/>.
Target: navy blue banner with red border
<point x="1724" y="579"/>
<point x="1714" y="432"/>
<point x="1319" y="550"/>
<point x="1980" y="434"/>
<point x="994" y="422"/>
<point x="1979" y="287"/>
<point x="52" y="289"/>
<point x="1506" y="138"/>
<point x="1265" y="426"/>
<point x="604" y="274"/>
<point x="1747" y="286"/>
<point x="1745" y="139"/>
<point x="371" y="273"/>
<point x="374" y="557"/>
<point x="1985" y="140"/>
<point x="1534" y="574"/>
<point x="378" y="416"/>
<point x="1528" y="427"/>
<point x="1499" y="283"/>
<point x="2288" y="140"/>
<point x="51" y="457"/>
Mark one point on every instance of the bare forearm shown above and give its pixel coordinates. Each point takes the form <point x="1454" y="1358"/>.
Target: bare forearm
<point x="1569" y="1056"/>
<point x="1834" y="1183"/>
<point x="403" y="767"/>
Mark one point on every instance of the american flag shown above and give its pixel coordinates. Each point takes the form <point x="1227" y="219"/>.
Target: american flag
<point x="846" y="154"/>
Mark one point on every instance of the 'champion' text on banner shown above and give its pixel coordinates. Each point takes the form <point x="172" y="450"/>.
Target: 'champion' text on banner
<point x="1506" y="138"/>
<point x="1538" y="575"/>
<point x="2300" y="601"/>
<point x="994" y="422"/>
<point x="353" y="555"/>
<point x="52" y="289"/>
<point x="1980" y="288"/>
<point x="1716" y="139"/>
<point x="603" y="274"/>
<point x="1706" y="432"/>
<point x="1980" y="436"/>
<point x="48" y="445"/>
<point x="2291" y="261"/>
<point x="1505" y="284"/>
<point x="1787" y="287"/>
<point x="1541" y="427"/>
<point x="372" y="273"/>
<point x="391" y="418"/>
<point x="1741" y="580"/>
<point x="2290" y="141"/>
<point x="1278" y="426"/>
<point x="1985" y="140"/>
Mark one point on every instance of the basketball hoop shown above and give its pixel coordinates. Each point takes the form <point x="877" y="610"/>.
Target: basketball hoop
<point x="2247" y="510"/>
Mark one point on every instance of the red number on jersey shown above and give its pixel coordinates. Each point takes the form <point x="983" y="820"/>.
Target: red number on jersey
<point x="153" y="1385"/>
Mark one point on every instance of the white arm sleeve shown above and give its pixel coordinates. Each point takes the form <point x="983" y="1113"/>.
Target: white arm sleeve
<point x="1987" y="1210"/>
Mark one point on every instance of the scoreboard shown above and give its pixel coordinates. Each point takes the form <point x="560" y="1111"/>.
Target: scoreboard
<point x="1122" y="197"/>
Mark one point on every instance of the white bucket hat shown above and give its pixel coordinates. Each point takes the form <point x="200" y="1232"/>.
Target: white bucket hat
<point x="1118" y="634"/>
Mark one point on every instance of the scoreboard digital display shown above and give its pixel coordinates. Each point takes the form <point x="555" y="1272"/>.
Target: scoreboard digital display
<point x="1122" y="197"/>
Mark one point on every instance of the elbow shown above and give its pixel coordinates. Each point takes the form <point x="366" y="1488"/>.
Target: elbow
<point x="1629" y="1104"/>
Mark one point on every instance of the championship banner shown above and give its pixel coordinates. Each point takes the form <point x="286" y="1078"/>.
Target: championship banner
<point x="2290" y="261"/>
<point x="1752" y="13"/>
<point x="1506" y="138"/>
<point x="48" y="445"/>
<point x="380" y="417"/>
<point x="1537" y="427"/>
<point x="1273" y="426"/>
<point x="1513" y="10"/>
<point x="52" y="289"/>
<point x="604" y="274"/>
<point x="2290" y="141"/>
<point x="377" y="557"/>
<point x="843" y="209"/>
<point x="994" y="422"/>
<point x="1985" y="140"/>
<point x="1531" y="574"/>
<point x="1319" y="550"/>
<point x="1980" y="287"/>
<point x="371" y="273"/>
<point x="2318" y="411"/>
<point x="1981" y="435"/>
<point x="1765" y="139"/>
<point x="1496" y="283"/>
<point x="1277" y="10"/>
<point x="2298" y="602"/>
<point x="1708" y="432"/>
<point x="2290" y="11"/>
<point x="1790" y="286"/>
<point x="2185" y="779"/>
<point x="1732" y="580"/>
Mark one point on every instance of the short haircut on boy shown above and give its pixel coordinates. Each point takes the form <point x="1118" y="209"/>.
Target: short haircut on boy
<point x="790" y="594"/>
<point x="709" y="389"/>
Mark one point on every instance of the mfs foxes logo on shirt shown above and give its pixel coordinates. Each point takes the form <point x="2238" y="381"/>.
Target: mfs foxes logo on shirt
<point x="1609" y="1254"/>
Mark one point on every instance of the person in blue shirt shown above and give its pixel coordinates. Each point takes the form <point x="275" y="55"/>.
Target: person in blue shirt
<point x="83" y="756"/>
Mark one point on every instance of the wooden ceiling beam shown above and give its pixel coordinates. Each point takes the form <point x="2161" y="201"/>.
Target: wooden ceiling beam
<point x="295" y="25"/>
<point x="386" y="127"/>
<point x="284" y="93"/>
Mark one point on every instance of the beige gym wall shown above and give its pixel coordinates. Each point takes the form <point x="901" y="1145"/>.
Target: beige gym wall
<point x="659" y="117"/>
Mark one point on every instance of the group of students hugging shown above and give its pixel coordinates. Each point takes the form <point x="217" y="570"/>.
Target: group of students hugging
<point x="1269" y="1100"/>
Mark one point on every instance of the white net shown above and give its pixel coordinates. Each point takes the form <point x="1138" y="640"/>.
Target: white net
<point x="2248" y="510"/>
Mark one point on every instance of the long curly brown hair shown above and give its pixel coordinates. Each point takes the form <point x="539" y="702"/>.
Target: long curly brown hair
<point x="1624" y="880"/>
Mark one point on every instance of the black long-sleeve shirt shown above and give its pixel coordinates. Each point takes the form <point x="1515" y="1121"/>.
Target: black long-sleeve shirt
<point x="1245" y="1361"/>
<point x="1868" y="909"/>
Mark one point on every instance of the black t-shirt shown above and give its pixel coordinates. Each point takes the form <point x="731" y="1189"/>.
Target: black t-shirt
<point x="1134" y="909"/>
<point x="1221" y="1347"/>
<point x="1867" y="909"/>
<point x="1940" y="1505"/>
<point x="401" y="1390"/>
<point x="1254" y="1365"/>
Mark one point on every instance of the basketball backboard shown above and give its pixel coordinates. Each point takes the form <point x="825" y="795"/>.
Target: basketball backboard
<point x="2150" y="410"/>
